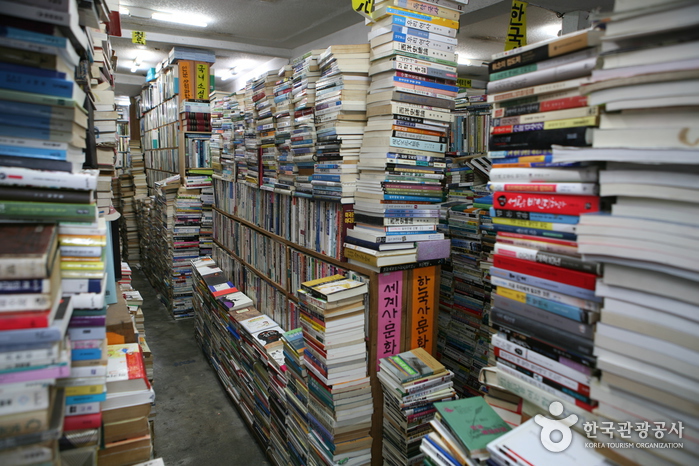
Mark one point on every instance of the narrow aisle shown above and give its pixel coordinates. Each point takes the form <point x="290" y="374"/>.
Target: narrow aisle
<point x="196" y="422"/>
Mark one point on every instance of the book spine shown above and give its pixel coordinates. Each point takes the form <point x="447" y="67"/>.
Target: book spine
<point x="27" y="177"/>
<point x="573" y="359"/>
<point x="47" y="372"/>
<point x="421" y="51"/>
<point x="414" y="23"/>
<point x="430" y="8"/>
<point x="38" y="84"/>
<point x="82" y="408"/>
<point x="418" y="145"/>
<point x="544" y="234"/>
<point x="558" y="188"/>
<point x="83" y="421"/>
<point x="564" y="310"/>
<point x="556" y="204"/>
<point x="574" y="136"/>
<point x="545" y="125"/>
<point x="14" y="161"/>
<point x="569" y="342"/>
<point x="546" y="294"/>
<point x="410" y="266"/>
<point x="565" y="44"/>
<point x="33" y="152"/>
<point x="424" y="83"/>
<point x="23" y="401"/>
<point x="422" y="17"/>
<point x="549" y="272"/>
<point x="422" y="42"/>
<point x="417" y="99"/>
<point x="576" y="112"/>
<point x="78" y="399"/>
<point x="534" y="216"/>
<point x="548" y="88"/>
<point x="551" y="285"/>
<point x="544" y="257"/>
<point x="563" y="72"/>
<point x="418" y="66"/>
<point x="24" y="302"/>
<point x="547" y="318"/>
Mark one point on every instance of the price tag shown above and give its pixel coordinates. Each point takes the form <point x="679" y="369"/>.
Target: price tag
<point x="138" y="37"/>
<point x="363" y="7"/>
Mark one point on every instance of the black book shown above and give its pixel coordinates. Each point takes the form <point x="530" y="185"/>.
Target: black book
<point x="35" y="163"/>
<point x="544" y="139"/>
<point x="67" y="196"/>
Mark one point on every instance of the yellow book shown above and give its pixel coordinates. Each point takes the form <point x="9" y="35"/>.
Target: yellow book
<point x="572" y="122"/>
<point x="387" y="10"/>
<point x="562" y="227"/>
<point x="99" y="265"/>
<point x="512" y="294"/>
<point x="360" y="256"/>
<point x="76" y="240"/>
<point x="85" y="390"/>
<point x="320" y="281"/>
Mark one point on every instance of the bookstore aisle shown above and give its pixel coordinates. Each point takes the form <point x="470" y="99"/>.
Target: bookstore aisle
<point x="196" y="422"/>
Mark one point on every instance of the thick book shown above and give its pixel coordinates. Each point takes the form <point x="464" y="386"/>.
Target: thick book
<point x="411" y="365"/>
<point x="85" y="180"/>
<point x="549" y="272"/>
<point x="336" y="289"/>
<point x="562" y="204"/>
<point x="126" y="370"/>
<point x="543" y="138"/>
<point x="534" y="78"/>
<point x="27" y="194"/>
<point x="28" y="251"/>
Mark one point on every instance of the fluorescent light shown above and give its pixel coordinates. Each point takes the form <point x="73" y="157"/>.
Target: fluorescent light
<point x="463" y="60"/>
<point x="550" y="30"/>
<point x="180" y="19"/>
<point x="229" y="74"/>
<point x="136" y="64"/>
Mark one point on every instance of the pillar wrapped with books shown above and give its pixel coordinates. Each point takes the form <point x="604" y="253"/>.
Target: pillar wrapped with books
<point x="340" y="400"/>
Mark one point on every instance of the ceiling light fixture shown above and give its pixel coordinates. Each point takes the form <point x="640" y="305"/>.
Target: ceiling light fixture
<point x="463" y="60"/>
<point x="136" y="64"/>
<point x="231" y="73"/>
<point x="180" y="18"/>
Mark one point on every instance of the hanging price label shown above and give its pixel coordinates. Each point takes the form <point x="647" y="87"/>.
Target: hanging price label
<point x="138" y="37"/>
<point x="363" y="7"/>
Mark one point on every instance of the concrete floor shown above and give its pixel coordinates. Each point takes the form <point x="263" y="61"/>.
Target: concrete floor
<point x="196" y="422"/>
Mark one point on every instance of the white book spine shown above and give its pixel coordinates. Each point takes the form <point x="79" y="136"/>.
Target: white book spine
<point x="45" y="179"/>
<point x="23" y="401"/>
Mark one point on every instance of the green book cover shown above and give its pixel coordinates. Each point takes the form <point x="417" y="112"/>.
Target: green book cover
<point x="48" y="211"/>
<point x="472" y="421"/>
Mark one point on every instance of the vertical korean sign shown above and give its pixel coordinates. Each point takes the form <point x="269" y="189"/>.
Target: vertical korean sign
<point x="138" y="37"/>
<point x="517" y="30"/>
<point x="423" y="312"/>
<point x="390" y="314"/>
<point x="363" y="7"/>
<point x="186" y="79"/>
<point x="202" y="86"/>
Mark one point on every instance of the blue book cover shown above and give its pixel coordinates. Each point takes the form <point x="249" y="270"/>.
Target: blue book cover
<point x="565" y="310"/>
<point x="400" y="197"/>
<point x="321" y="177"/>
<point x="33" y="152"/>
<point x="77" y="399"/>
<point x="31" y="70"/>
<point x="11" y="107"/>
<point x="418" y="82"/>
<point x="38" y="85"/>
<point x="85" y="354"/>
<point x="541" y="217"/>
<point x="31" y="36"/>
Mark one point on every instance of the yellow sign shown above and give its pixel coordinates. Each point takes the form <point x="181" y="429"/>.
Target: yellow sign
<point x="463" y="82"/>
<point x="517" y="31"/>
<point x="202" y="81"/>
<point x="363" y="7"/>
<point x="138" y="37"/>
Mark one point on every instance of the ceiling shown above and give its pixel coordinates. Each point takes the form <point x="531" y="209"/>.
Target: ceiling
<point x="250" y="33"/>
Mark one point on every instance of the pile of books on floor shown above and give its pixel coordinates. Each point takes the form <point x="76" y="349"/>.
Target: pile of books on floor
<point x="646" y="340"/>
<point x="401" y="164"/>
<point x="340" y="110"/>
<point x="296" y="396"/>
<point x="284" y="120"/>
<point x="462" y="432"/>
<point x="303" y="136"/>
<point x="33" y="346"/>
<point x="335" y="355"/>
<point x="544" y="302"/>
<point x="412" y="382"/>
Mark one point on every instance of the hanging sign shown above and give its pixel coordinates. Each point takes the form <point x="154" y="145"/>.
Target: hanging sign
<point x="138" y="37"/>
<point x="363" y="7"/>
<point x="390" y="314"/>
<point x="517" y="30"/>
<point x="423" y="309"/>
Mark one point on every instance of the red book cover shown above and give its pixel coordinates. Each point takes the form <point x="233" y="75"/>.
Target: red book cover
<point x="25" y="319"/>
<point x="562" y="242"/>
<point x="126" y="370"/>
<point x="82" y="421"/>
<point x="564" y="204"/>
<point x="548" y="272"/>
<point x="562" y="104"/>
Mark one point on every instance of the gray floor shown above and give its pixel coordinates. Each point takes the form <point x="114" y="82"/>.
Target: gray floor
<point x="196" y="422"/>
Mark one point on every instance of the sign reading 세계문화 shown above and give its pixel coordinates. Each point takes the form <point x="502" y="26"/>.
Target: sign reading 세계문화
<point x="423" y="311"/>
<point x="363" y="7"/>
<point x="390" y="314"/>
<point x="517" y="30"/>
<point x="138" y="37"/>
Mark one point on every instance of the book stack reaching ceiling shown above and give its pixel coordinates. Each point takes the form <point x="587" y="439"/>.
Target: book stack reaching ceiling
<point x="544" y="306"/>
<point x="341" y="116"/>
<point x="265" y="128"/>
<point x="284" y="120"/>
<point x="252" y="143"/>
<point x="225" y="115"/>
<point x="335" y="355"/>
<point x="303" y="137"/>
<point x="401" y="163"/>
<point x="646" y="340"/>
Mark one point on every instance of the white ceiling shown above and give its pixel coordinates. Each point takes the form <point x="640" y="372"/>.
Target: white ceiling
<point x="249" y="33"/>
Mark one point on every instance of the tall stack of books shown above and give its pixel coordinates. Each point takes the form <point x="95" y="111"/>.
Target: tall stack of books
<point x="265" y="128"/>
<point x="86" y="245"/>
<point x="34" y="349"/>
<point x="186" y="229"/>
<point x="412" y="382"/>
<point x="237" y="144"/>
<point x="335" y="355"/>
<point x="296" y="396"/>
<point x="284" y="120"/>
<point x="341" y="116"/>
<point x="544" y="303"/>
<point x="645" y="341"/>
<point x="225" y="117"/>
<point x="413" y="72"/>
<point x="252" y="143"/>
<point x="462" y="431"/>
<point x="303" y="137"/>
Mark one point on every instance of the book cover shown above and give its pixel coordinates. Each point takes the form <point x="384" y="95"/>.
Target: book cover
<point x="411" y="365"/>
<point x="125" y="368"/>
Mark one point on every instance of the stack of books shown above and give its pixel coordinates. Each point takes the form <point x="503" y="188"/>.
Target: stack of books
<point x="265" y="128"/>
<point x="296" y="396"/>
<point x="411" y="95"/>
<point x="224" y="111"/>
<point x="284" y="120"/>
<point x="544" y="302"/>
<point x="185" y="247"/>
<point x="196" y="117"/>
<point x="85" y="388"/>
<point x="237" y="147"/>
<point x="252" y="143"/>
<point x="303" y="136"/>
<point x="34" y="349"/>
<point x="645" y="341"/>
<point x="462" y="431"/>
<point x="126" y="431"/>
<point x="340" y="401"/>
<point x="412" y="382"/>
<point x="341" y="116"/>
